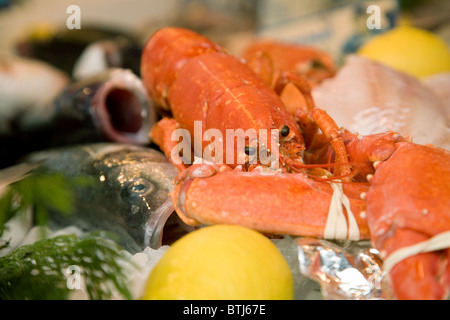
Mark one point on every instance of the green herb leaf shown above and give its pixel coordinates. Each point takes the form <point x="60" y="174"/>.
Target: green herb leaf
<point x="43" y="192"/>
<point x="43" y="270"/>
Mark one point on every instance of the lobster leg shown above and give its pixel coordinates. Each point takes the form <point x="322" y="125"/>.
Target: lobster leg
<point x="271" y="203"/>
<point x="294" y="90"/>
<point x="332" y="132"/>
<point x="161" y="134"/>
<point x="311" y="119"/>
<point x="364" y="152"/>
<point x="313" y="64"/>
<point x="303" y="86"/>
<point x="261" y="63"/>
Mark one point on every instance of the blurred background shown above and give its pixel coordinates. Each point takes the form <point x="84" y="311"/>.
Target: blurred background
<point x="338" y="26"/>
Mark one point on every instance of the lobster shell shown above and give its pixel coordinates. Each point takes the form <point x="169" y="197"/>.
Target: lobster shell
<point x="409" y="202"/>
<point x="165" y="53"/>
<point x="283" y="203"/>
<point x="200" y="82"/>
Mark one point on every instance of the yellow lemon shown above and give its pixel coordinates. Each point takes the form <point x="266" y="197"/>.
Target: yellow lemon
<point x="221" y="262"/>
<point x="415" y="51"/>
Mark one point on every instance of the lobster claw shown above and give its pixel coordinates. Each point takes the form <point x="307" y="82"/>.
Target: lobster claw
<point x="278" y="203"/>
<point x="407" y="205"/>
<point x="184" y="180"/>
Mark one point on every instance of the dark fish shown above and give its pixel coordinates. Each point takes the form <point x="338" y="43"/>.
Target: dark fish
<point x="129" y="196"/>
<point x="110" y="106"/>
<point x="64" y="46"/>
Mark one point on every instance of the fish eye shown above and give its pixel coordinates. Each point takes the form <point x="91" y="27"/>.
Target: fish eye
<point x="140" y="187"/>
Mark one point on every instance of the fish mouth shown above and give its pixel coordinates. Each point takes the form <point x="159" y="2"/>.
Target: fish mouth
<point x="155" y="224"/>
<point x="123" y="111"/>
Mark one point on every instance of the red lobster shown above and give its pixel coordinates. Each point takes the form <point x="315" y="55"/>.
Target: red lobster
<point x="402" y="189"/>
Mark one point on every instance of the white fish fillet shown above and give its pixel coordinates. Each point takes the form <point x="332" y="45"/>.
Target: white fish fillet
<point x="368" y="97"/>
<point x="440" y="84"/>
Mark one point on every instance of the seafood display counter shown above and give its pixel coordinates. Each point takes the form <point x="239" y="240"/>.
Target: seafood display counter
<point x="114" y="146"/>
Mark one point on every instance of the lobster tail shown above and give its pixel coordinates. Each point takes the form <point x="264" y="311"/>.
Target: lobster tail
<point x="165" y="54"/>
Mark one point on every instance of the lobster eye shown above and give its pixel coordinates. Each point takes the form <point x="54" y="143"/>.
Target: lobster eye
<point x="140" y="187"/>
<point x="284" y="130"/>
<point x="249" y="150"/>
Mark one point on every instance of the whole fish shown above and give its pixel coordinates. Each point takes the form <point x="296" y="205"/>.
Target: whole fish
<point x="129" y="196"/>
<point x="112" y="105"/>
<point x="368" y="97"/>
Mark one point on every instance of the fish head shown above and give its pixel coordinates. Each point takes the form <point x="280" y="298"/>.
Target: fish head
<point x="138" y="182"/>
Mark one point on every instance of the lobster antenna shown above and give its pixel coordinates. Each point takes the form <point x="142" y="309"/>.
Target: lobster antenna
<point x="297" y="167"/>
